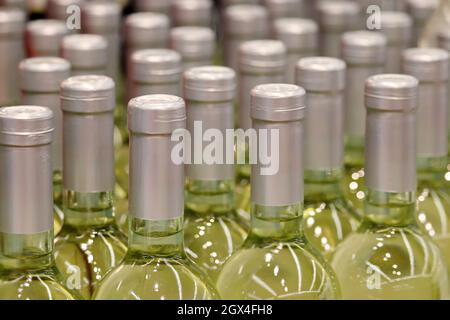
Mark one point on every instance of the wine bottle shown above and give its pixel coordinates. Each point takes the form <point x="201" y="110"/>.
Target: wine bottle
<point x="301" y="38"/>
<point x="192" y="13"/>
<point x="444" y="43"/>
<point x="276" y="261"/>
<point x="40" y="78"/>
<point x="57" y="9"/>
<point x="196" y="45"/>
<point x="43" y="37"/>
<point x="328" y="216"/>
<point x="430" y="66"/>
<point x="364" y="53"/>
<point x="159" y="6"/>
<point x="156" y="266"/>
<point x="27" y="264"/>
<point x="388" y="257"/>
<point x="89" y="244"/>
<point x="212" y="231"/>
<point x="260" y="61"/>
<point x="242" y="22"/>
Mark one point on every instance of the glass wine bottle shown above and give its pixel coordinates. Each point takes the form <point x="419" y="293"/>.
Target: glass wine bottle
<point x="276" y="261"/>
<point x="388" y="257"/>
<point x="27" y="264"/>
<point x="89" y="244"/>
<point x="156" y="266"/>
<point x="212" y="230"/>
<point x="430" y="67"/>
<point x="328" y="217"/>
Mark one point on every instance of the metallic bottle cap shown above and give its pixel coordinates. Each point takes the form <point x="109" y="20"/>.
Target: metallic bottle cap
<point x="426" y="64"/>
<point x="338" y="15"/>
<point x="390" y="159"/>
<point x="26" y="204"/>
<point x="147" y="30"/>
<point x="321" y="74"/>
<point x="421" y="10"/>
<point x="210" y="83"/>
<point x="278" y="102"/>
<point x="12" y="22"/>
<point x="57" y="9"/>
<point x="156" y="114"/>
<point x="192" y="12"/>
<point x="284" y="8"/>
<point x="262" y="56"/>
<point x="25" y="126"/>
<point x="324" y="81"/>
<point x="444" y="39"/>
<point x="88" y="104"/>
<point x="88" y="94"/>
<point x="85" y="51"/>
<point x="246" y="20"/>
<point x="391" y="92"/>
<point x="156" y="190"/>
<point x="43" y="74"/>
<point x="156" y="66"/>
<point x="297" y="34"/>
<point x="101" y="17"/>
<point x="161" y="6"/>
<point x="43" y="37"/>
<point x="193" y="43"/>
<point x="397" y="27"/>
<point x="363" y="47"/>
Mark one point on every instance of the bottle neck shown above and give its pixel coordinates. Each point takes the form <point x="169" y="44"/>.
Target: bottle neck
<point x="390" y="209"/>
<point x="215" y="196"/>
<point x="322" y="185"/>
<point x="279" y="223"/>
<point x="162" y="238"/>
<point x="81" y="210"/>
<point x="26" y="251"/>
<point x="431" y="171"/>
<point x="354" y="152"/>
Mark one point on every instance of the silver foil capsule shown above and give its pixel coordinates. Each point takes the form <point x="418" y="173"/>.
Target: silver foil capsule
<point x="301" y="38"/>
<point x="104" y="18"/>
<point x="260" y="61"/>
<point x="335" y="18"/>
<point x="88" y="104"/>
<point x="397" y="27"/>
<point x="155" y="71"/>
<point x="431" y="67"/>
<point x="242" y="23"/>
<point x="284" y="8"/>
<point x="279" y="108"/>
<point x="192" y="13"/>
<point x="390" y="159"/>
<point x="323" y="78"/>
<point x="156" y="190"/>
<point x="420" y="11"/>
<point x="209" y="92"/>
<point x="364" y="53"/>
<point x="26" y="205"/>
<point x="43" y="37"/>
<point x="160" y="6"/>
<point x="12" y="26"/>
<point x="196" y="45"/>
<point x="443" y="41"/>
<point x="40" y="79"/>
<point x="62" y="9"/>
<point x="87" y="53"/>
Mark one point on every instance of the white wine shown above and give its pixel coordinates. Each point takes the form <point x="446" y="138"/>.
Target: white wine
<point x="89" y="244"/>
<point x="156" y="266"/>
<point x="388" y="257"/>
<point x="27" y="265"/>
<point x="212" y="230"/>
<point x="328" y="216"/>
<point x="276" y="261"/>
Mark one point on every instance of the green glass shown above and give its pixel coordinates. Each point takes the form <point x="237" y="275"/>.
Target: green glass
<point x="58" y="215"/>
<point x="276" y="261"/>
<point x="121" y="188"/>
<point x="155" y="266"/>
<point x="388" y="257"/>
<point x="433" y="213"/>
<point x="353" y="180"/>
<point x="242" y="190"/>
<point x="89" y="244"/>
<point x="211" y="229"/>
<point x="28" y="270"/>
<point x="328" y="217"/>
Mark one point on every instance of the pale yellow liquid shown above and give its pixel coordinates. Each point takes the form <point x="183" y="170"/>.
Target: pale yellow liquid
<point x="354" y="188"/>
